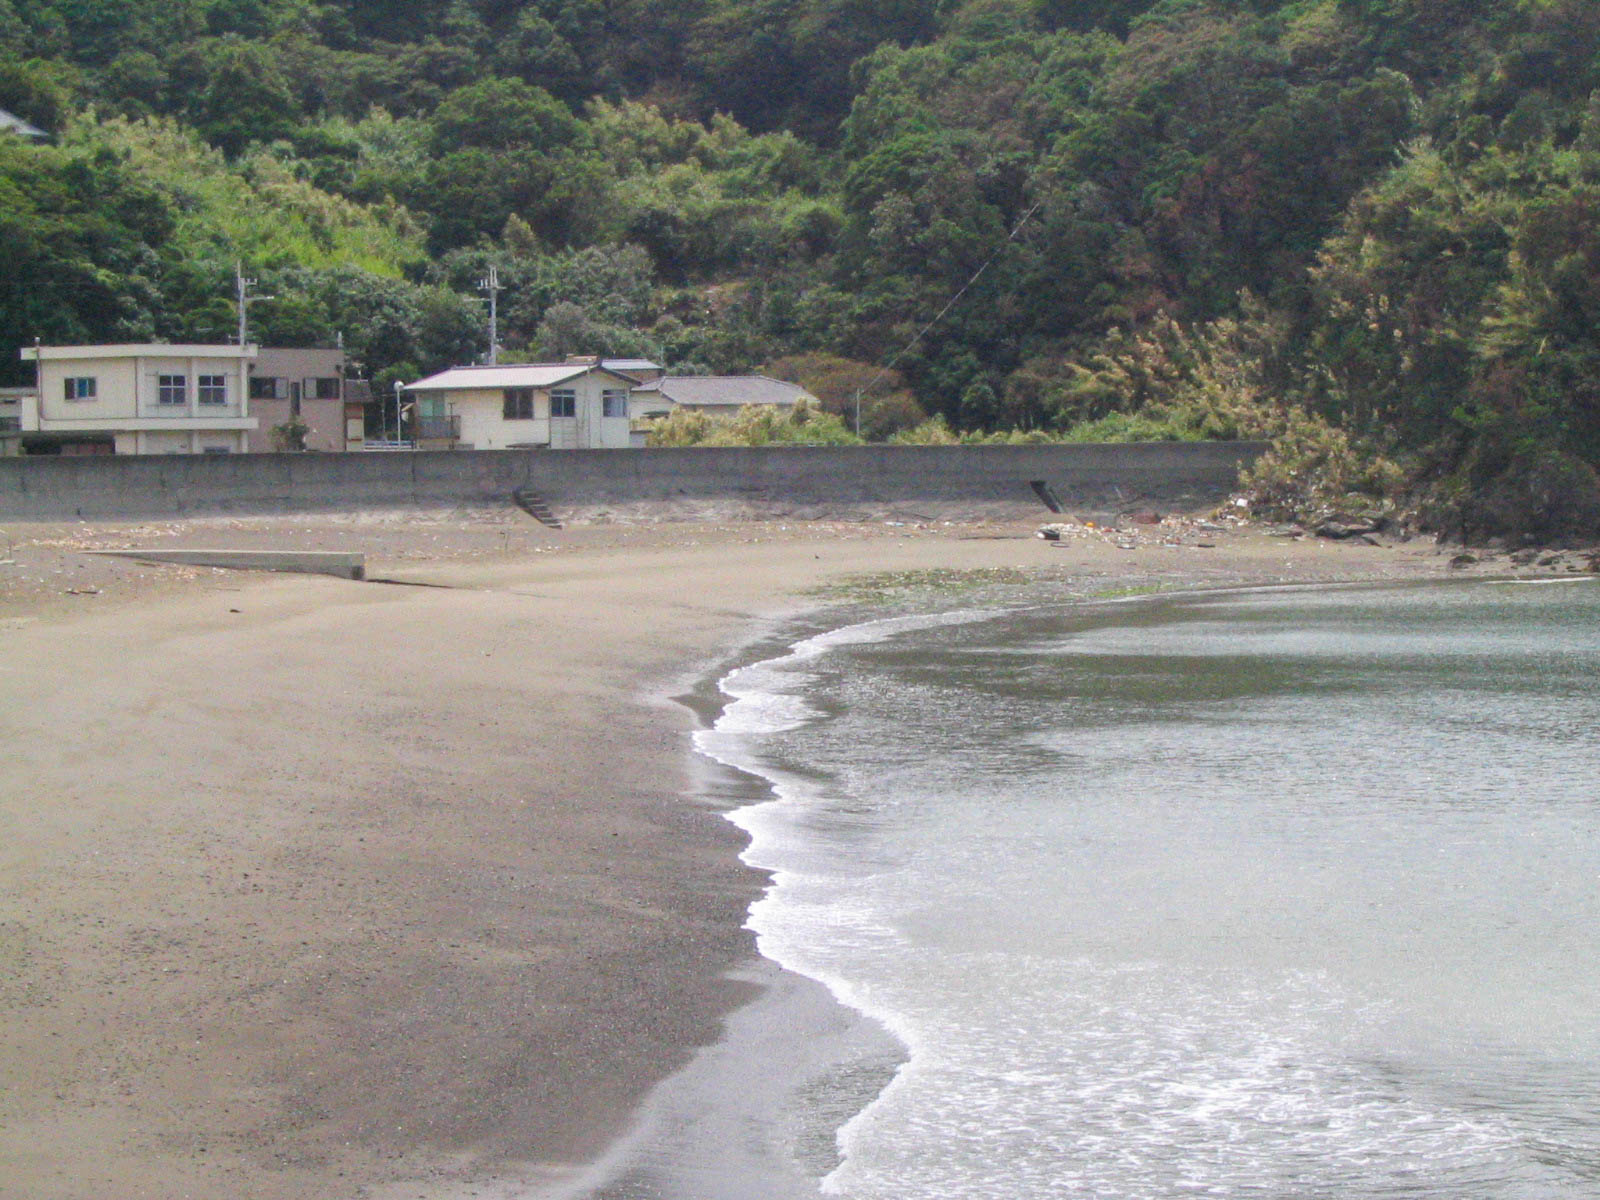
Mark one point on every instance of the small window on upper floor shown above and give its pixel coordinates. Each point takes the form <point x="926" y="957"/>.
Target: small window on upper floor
<point x="325" y="387"/>
<point x="263" y="387"/>
<point x="211" y="389"/>
<point x="172" y="389"/>
<point x="613" y="403"/>
<point x="80" y="387"/>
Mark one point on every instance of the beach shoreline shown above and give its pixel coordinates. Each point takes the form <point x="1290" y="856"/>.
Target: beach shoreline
<point x="317" y="887"/>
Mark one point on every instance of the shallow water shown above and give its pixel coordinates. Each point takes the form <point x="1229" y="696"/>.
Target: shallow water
<point x="1270" y="894"/>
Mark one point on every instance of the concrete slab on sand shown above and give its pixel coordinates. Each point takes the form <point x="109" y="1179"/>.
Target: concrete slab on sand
<point x="305" y="562"/>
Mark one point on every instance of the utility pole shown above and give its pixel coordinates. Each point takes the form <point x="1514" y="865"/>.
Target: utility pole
<point x="491" y="284"/>
<point x="244" y="299"/>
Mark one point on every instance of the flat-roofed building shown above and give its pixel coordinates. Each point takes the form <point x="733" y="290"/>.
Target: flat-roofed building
<point x="294" y="389"/>
<point x="140" y="399"/>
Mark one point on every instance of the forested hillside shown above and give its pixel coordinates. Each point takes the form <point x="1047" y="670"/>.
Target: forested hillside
<point x="1199" y="218"/>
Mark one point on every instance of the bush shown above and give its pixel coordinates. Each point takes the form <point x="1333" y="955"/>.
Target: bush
<point x="1313" y="468"/>
<point x="753" y="425"/>
<point x="1535" y="494"/>
<point x="935" y="431"/>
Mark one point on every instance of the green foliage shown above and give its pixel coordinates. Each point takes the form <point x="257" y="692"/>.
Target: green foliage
<point x="241" y="93"/>
<point x="290" y="436"/>
<point x="752" y="425"/>
<point x="1309" y="220"/>
<point x="80" y="237"/>
<point x="847" y="388"/>
<point x="502" y="114"/>
<point x="257" y="210"/>
<point x="38" y="91"/>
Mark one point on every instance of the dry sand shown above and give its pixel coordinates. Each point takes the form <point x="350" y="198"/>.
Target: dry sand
<point x="311" y="888"/>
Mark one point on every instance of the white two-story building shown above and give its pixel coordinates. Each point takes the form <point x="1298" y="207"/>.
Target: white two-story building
<point x="137" y="399"/>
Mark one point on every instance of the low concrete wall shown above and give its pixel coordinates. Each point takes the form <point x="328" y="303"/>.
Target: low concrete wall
<point x="1170" y="472"/>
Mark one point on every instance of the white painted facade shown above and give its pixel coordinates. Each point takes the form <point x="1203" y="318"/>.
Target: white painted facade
<point x="532" y="406"/>
<point x="144" y="399"/>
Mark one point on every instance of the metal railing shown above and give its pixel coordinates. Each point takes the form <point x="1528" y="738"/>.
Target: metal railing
<point x="424" y="428"/>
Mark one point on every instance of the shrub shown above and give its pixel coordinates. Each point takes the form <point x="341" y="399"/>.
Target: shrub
<point x="753" y="425"/>
<point x="1536" y="493"/>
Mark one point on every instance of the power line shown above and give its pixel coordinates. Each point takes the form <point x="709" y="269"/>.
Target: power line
<point x="939" y="316"/>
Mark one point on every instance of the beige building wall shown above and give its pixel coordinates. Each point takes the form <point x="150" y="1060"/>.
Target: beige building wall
<point x="484" y="427"/>
<point x="94" y="398"/>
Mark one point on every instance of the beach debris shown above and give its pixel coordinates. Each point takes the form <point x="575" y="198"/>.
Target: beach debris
<point x="1136" y="529"/>
<point x="1341" y="528"/>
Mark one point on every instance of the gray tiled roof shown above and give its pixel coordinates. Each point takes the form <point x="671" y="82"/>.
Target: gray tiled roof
<point x="728" y="391"/>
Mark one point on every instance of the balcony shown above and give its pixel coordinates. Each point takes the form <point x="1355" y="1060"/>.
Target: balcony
<point x="436" y="429"/>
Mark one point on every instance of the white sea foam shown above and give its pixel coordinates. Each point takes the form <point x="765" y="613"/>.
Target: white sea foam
<point x="1214" y="940"/>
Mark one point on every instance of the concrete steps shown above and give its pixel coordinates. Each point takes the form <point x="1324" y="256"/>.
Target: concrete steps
<point x="530" y="502"/>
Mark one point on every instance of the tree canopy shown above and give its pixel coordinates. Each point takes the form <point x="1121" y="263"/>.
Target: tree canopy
<point x="1395" y="198"/>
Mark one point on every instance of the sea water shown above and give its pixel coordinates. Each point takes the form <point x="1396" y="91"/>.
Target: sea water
<point x="1267" y="894"/>
<point x="1264" y="894"/>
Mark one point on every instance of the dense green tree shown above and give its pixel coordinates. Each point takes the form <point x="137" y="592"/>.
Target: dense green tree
<point x="80" y="237"/>
<point x="242" y="94"/>
<point x="1036" y="213"/>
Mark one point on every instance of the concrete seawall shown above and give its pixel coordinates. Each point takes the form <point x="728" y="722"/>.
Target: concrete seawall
<point x="790" y="477"/>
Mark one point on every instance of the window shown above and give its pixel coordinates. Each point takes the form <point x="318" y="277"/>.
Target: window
<point x="263" y="387"/>
<point x="325" y="387"/>
<point x="613" y="403"/>
<point x="211" y="389"/>
<point x="518" y="404"/>
<point x="216" y="450"/>
<point x="80" y="387"/>
<point x="172" y="389"/>
<point x="563" y="403"/>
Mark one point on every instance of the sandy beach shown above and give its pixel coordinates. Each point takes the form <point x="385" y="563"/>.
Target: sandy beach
<point x="319" y="888"/>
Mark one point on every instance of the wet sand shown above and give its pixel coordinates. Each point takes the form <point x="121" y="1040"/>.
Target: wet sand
<point x="320" y="888"/>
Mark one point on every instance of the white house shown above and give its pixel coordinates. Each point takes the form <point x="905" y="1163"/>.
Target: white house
<point x="137" y="399"/>
<point x="562" y="406"/>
